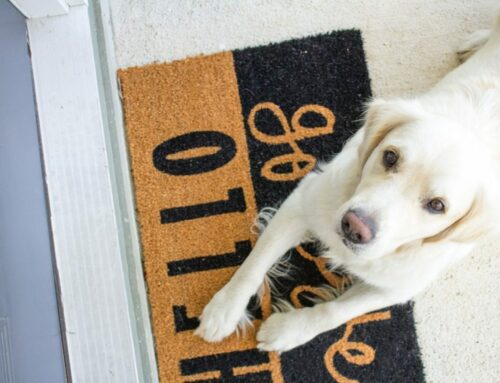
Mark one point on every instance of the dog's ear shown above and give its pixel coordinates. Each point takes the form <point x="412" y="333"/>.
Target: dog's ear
<point x="381" y="117"/>
<point x="475" y="223"/>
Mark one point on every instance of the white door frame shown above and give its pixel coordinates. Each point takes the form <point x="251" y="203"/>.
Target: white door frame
<point x="105" y="319"/>
<point x="43" y="8"/>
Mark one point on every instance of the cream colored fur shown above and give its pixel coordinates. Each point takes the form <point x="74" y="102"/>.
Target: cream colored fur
<point x="449" y="141"/>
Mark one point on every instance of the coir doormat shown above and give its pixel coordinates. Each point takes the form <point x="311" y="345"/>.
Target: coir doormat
<point x="215" y="139"/>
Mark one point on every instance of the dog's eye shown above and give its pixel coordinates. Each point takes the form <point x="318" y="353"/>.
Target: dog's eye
<point x="436" y="205"/>
<point x="390" y="158"/>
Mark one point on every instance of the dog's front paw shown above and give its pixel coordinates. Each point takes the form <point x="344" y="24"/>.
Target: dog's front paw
<point x="284" y="331"/>
<point x="221" y="317"/>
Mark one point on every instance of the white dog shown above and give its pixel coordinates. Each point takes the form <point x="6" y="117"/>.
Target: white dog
<point x="410" y="194"/>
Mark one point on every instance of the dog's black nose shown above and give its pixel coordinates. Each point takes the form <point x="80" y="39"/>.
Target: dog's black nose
<point x="358" y="227"/>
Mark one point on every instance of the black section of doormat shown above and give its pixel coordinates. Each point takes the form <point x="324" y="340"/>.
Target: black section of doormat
<point x="327" y="70"/>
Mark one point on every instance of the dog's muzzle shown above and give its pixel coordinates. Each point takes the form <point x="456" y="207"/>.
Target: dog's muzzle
<point x="357" y="227"/>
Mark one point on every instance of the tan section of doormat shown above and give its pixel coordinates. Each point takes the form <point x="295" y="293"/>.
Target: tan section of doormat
<point x="215" y="139"/>
<point x="163" y="103"/>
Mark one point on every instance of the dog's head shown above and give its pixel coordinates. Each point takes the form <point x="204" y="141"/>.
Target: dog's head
<point x="423" y="178"/>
